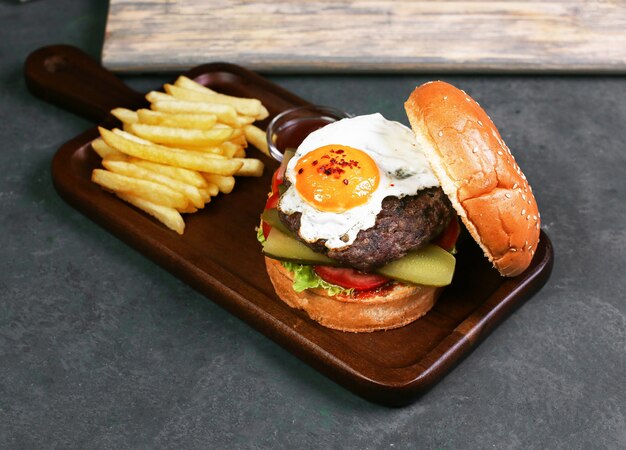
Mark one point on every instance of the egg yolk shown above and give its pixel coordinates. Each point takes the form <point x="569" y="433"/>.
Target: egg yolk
<point x="336" y="178"/>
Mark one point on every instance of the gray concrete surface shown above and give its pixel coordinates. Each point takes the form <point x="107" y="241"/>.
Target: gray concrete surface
<point x="100" y="348"/>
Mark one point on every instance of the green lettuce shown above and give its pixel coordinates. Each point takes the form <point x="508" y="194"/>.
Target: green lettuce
<point x="304" y="277"/>
<point x="259" y="235"/>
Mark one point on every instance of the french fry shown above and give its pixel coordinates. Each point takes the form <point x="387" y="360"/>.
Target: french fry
<point x="185" y="175"/>
<point x="224" y="113"/>
<point x="256" y="137"/>
<point x="242" y="121"/>
<point x="180" y="136"/>
<point x="156" y="96"/>
<point x="260" y="114"/>
<point x="125" y="115"/>
<point x="148" y="190"/>
<point x="230" y="150"/>
<point x="225" y="184"/>
<point x="211" y="189"/>
<point x="206" y="195"/>
<point x="104" y="151"/>
<point x="172" y="158"/>
<point x="190" y="209"/>
<point x="202" y="162"/>
<point x="212" y="152"/>
<point x="238" y="137"/>
<point x="168" y="216"/>
<point x="135" y="171"/>
<point x="240" y="140"/>
<point x="244" y="106"/>
<point x="192" y="121"/>
<point x="250" y="167"/>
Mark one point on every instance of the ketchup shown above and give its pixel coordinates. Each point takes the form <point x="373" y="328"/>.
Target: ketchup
<point x="292" y="133"/>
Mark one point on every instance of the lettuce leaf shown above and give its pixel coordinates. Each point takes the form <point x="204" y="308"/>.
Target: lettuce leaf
<point x="259" y="235"/>
<point x="304" y="277"/>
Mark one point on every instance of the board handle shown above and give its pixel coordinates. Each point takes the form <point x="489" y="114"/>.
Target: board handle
<point x="67" y="77"/>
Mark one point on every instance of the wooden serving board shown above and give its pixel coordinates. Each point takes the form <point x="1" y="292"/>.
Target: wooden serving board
<point x="219" y="255"/>
<point x="361" y="35"/>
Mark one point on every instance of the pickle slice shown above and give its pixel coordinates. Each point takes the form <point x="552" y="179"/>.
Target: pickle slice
<point x="431" y="266"/>
<point x="279" y="245"/>
<point x="270" y="217"/>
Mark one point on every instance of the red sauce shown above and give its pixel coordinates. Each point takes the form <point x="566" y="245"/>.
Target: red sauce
<point x="292" y="133"/>
<point x="382" y="290"/>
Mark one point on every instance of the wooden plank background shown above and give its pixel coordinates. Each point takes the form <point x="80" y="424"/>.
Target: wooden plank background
<point x="377" y="35"/>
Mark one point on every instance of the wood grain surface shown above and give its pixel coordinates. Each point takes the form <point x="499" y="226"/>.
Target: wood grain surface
<point x="360" y="35"/>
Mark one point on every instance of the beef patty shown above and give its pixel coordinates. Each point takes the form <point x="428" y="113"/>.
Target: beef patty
<point x="403" y="224"/>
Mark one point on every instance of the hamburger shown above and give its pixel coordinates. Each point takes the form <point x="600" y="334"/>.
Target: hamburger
<point x="360" y="227"/>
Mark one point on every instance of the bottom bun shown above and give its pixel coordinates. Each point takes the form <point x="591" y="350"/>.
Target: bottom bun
<point x="390" y="307"/>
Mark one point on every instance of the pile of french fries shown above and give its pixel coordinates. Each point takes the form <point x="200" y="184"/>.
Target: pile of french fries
<point x="172" y="158"/>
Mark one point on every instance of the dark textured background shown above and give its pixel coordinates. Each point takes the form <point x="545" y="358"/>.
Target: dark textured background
<point x="100" y="348"/>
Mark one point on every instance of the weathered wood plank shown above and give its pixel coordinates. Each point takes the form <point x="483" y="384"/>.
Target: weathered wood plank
<point x="361" y="35"/>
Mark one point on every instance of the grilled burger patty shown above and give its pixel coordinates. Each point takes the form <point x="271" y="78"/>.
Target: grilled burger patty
<point x="403" y="224"/>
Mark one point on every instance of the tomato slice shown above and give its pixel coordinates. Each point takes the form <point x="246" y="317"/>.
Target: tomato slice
<point x="266" y="229"/>
<point x="279" y="176"/>
<point x="350" y="278"/>
<point x="277" y="180"/>
<point x="272" y="202"/>
<point x="447" y="238"/>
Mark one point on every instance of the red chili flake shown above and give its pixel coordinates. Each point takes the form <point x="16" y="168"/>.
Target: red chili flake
<point x="300" y="171"/>
<point x="339" y="152"/>
<point x="392" y="185"/>
<point x="314" y="163"/>
<point x="345" y="181"/>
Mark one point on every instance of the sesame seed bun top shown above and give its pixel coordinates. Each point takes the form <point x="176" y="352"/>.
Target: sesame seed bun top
<point x="478" y="173"/>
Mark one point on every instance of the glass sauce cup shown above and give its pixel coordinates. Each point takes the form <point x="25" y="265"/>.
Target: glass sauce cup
<point x="288" y="129"/>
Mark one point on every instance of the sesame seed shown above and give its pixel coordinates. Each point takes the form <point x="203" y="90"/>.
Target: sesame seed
<point x="440" y="133"/>
<point x="500" y="152"/>
<point x="515" y="186"/>
<point x="467" y="99"/>
<point x="513" y="249"/>
<point x="529" y="201"/>
<point x="480" y="123"/>
<point x="534" y="217"/>
<point x="507" y="195"/>
<point x="528" y="217"/>
<point x="475" y="149"/>
<point x="523" y="212"/>
<point x="523" y="197"/>
<point x="445" y="97"/>
<point x="532" y="252"/>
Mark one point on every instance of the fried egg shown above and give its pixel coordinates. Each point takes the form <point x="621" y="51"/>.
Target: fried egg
<point x="341" y="173"/>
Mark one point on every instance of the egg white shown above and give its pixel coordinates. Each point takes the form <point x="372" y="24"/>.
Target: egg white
<point x="402" y="166"/>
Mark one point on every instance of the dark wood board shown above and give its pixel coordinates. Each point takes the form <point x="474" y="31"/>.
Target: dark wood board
<point x="220" y="257"/>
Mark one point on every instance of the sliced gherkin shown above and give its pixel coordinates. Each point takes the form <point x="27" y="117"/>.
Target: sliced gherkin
<point x="430" y="266"/>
